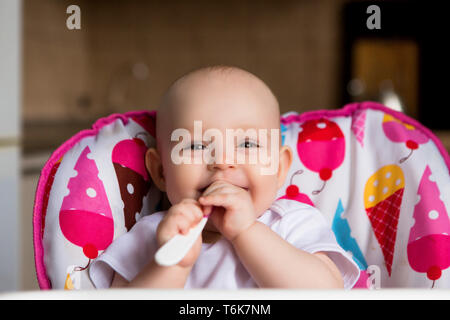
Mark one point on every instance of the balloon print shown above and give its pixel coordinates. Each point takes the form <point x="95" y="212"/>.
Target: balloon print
<point x="321" y="147"/>
<point x="429" y="237"/>
<point x="293" y="192"/>
<point x="398" y="131"/>
<point x="383" y="195"/>
<point x="85" y="217"/>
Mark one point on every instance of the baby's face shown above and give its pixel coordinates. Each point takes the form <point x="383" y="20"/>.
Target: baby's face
<point x="218" y="105"/>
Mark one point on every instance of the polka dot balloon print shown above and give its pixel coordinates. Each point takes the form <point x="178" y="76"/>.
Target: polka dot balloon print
<point x="321" y="148"/>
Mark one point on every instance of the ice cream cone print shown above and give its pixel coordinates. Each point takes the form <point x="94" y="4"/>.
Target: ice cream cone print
<point x="383" y="195"/>
<point x="147" y="122"/>
<point x="429" y="237"/>
<point x="128" y="157"/>
<point x="283" y="133"/>
<point x="73" y="278"/>
<point x="342" y="231"/>
<point x="85" y="217"/>
<point x="68" y="285"/>
<point x="358" y="125"/>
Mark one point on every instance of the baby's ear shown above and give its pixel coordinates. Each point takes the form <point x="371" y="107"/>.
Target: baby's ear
<point x="154" y="166"/>
<point x="284" y="164"/>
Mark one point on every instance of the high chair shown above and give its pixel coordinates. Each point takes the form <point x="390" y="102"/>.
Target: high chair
<point x="379" y="177"/>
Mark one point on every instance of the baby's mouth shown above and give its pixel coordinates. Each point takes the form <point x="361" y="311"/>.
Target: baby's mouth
<point x="202" y="190"/>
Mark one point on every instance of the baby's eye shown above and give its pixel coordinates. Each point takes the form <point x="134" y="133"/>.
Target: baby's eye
<point x="198" y="146"/>
<point x="248" y="144"/>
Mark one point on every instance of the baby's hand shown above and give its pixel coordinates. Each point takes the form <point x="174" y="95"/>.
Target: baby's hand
<point x="233" y="210"/>
<point x="180" y="219"/>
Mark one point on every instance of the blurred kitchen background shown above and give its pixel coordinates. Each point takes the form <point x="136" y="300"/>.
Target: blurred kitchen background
<point x="314" y="54"/>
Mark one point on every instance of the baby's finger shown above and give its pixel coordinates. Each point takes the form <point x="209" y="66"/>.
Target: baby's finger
<point x="192" y="213"/>
<point x="219" y="200"/>
<point x="216" y="186"/>
<point x="167" y="229"/>
<point x="185" y="224"/>
<point x="176" y="223"/>
<point x="192" y="210"/>
<point x="207" y="210"/>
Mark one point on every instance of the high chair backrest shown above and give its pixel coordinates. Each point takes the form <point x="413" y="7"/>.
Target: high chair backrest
<point x="379" y="177"/>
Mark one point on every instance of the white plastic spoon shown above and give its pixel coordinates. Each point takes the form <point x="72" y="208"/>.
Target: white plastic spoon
<point x="174" y="250"/>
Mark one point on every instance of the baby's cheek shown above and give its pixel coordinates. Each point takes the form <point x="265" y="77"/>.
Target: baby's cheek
<point x="174" y="187"/>
<point x="182" y="183"/>
<point x="264" y="193"/>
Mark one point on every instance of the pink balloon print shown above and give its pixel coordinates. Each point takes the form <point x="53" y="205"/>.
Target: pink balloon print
<point x="293" y="192"/>
<point x="398" y="131"/>
<point x="321" y="147"/>
<point x="429" y="237"/>
<point x="85" y="217"/>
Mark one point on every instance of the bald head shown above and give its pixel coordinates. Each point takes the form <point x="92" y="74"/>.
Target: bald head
<point x="214" y="73"/>
<point x="216" y="89"/>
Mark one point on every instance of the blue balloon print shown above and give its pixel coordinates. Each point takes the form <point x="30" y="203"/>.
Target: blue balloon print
<point x="342" y="231"/>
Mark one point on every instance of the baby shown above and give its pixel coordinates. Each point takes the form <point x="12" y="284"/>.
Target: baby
<point x="251" y="239"/>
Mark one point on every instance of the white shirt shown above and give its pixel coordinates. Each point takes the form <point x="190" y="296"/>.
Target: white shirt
<point x="218" y="266"/>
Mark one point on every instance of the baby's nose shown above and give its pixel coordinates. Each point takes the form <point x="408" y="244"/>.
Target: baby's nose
<point x="221" y="162"/>
<point x="221" y="166"/>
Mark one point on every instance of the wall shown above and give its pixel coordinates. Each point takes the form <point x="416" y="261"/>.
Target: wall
<point x="10" y="67"/>
<point x="82" y="74"/>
